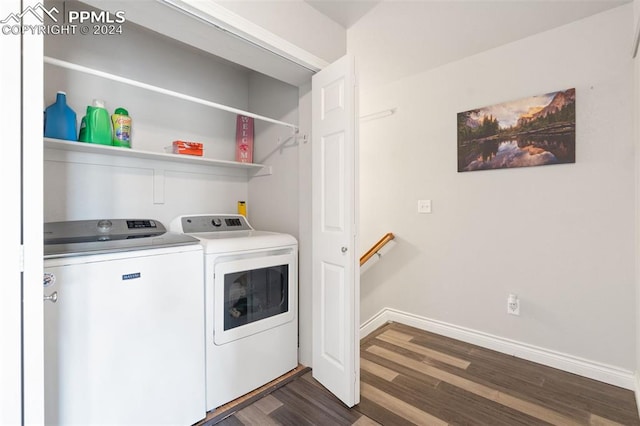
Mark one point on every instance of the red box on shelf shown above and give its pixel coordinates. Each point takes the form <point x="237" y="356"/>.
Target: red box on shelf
<point x="188" y="148"/>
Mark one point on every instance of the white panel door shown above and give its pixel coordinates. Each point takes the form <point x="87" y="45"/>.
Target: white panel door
<point x="10" y="304"/>
<point x="21" y="336"/>
<point x="32" y="217"/>
<point x="336" y="291"/>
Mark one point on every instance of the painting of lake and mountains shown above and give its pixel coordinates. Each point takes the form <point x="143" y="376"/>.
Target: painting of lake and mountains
<point x="534" y="131"/>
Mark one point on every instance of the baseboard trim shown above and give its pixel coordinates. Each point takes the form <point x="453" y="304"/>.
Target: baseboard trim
<point x="637" y="393"/>
<point x="572" y="364"/>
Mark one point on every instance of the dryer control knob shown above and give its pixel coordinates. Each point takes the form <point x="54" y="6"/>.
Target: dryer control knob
<point x="104" y="225"/>
<point x="216" y="222"/>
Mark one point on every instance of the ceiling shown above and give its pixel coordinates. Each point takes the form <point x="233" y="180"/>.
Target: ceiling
<point x="417" y="35"/>
<point x="345" y="13"/>
<point x="348" y="12"/>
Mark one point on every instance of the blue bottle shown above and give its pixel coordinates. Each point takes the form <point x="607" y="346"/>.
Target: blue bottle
<point x="60" y="120"/>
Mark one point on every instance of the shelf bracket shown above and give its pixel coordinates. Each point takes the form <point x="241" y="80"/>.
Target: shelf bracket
<point x="265" y="171"/>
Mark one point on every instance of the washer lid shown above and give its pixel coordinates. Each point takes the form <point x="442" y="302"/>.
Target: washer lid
<point x="83" y="237"/>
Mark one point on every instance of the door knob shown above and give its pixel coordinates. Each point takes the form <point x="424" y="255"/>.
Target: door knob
<point x="53" y="297"/>
<point x="343" y="249"/>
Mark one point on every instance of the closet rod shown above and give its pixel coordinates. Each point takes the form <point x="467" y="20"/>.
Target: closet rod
<point x="113" y="77"/>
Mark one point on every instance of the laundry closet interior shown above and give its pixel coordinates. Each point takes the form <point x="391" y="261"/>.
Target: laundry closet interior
<point x="156" y="76"/>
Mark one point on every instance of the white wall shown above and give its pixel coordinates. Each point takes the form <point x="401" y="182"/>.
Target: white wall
<point x="94" y="190"/>
<point x="281" y="202"/>
<point x="274" y="198"/>
<point x="561" y="237"/>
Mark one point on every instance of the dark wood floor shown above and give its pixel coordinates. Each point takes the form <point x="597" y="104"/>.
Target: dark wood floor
<point x="409" y="376"/>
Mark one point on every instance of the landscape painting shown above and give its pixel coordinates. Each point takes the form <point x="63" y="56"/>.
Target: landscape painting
<point x="534" y="131"/>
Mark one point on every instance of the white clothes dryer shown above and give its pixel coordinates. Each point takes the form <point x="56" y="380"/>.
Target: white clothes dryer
<point x="251" y="294"/>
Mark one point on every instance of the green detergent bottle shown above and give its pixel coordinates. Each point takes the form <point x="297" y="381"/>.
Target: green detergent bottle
<point x="121" y="128"/>
<point x="96" y="125"/>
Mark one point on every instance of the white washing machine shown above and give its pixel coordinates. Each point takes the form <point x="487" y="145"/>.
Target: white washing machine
<point x="124" y="324"/>
<point x="251" y="295"/>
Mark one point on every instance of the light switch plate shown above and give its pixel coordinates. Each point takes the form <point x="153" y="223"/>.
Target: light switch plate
<point x="424" y="206"/>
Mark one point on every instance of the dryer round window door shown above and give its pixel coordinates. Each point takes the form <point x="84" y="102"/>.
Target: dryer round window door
<point x="252" y="294"/>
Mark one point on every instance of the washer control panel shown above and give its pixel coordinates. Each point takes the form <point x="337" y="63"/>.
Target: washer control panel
<point x="80" y="231"/>
<point x="141" y="224"/>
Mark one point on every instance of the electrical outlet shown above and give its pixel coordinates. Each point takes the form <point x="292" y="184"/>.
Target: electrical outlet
<point x="513" y="305"/>
<point x="424" y="206"/>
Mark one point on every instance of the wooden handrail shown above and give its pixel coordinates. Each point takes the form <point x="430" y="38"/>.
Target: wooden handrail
<point x="376" y="247"/>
